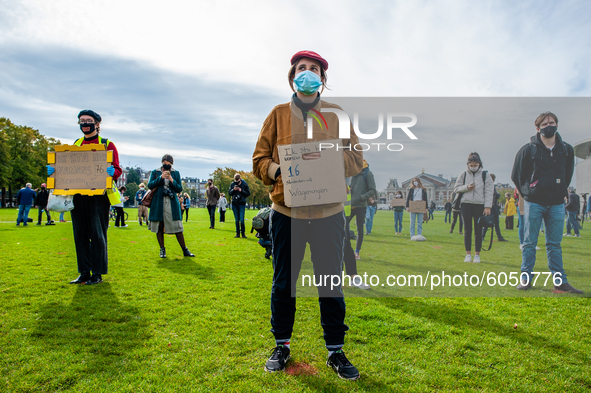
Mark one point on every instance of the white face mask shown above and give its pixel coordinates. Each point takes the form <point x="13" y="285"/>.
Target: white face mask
<point x="416" y="183"/>
<point x="474" y="168"/>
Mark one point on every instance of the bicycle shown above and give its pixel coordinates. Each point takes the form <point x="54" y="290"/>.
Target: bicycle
<point x="113" y="214"/>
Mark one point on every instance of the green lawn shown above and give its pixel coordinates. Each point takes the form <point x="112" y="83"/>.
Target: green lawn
<point x="202" y="324"/>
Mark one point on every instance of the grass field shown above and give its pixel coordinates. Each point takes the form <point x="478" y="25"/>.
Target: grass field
<point x="202" y="324"/>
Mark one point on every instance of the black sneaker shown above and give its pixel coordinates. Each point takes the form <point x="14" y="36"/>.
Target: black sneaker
<point x="163" y="252"/>
<point x="524" y="285"/>
<point x="502" y="240"/>
<point x="95" y="279"/>
<point x="566" y="287"/>
<point x="187" y="253"/>
<point x="345" y="370"/>
<point x="278" y="359"/>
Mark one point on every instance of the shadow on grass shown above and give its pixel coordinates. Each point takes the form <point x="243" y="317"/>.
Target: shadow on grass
<point x="94" y="334"/>
<point x="463" y="319"/>
<point x="188" y="266"/>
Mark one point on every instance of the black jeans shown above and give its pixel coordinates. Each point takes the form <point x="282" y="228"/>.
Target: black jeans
<point x="211" y="210"/>
<point x="472" y="212"/>
<point x="222" y="216"/>
<point x="453" y="224"/>
<point x="447" y="214"/>
<point x="120" y="218"/>
<point x="90" y="220"/>
<point x="41" y="209"/>
<point x="186" y="211"/>
<point x="359" y="214"/>
<point x="326" y="237"/>
<point x="349" y="255"/>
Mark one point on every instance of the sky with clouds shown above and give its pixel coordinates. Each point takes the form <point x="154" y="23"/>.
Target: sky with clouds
<point x="196" y="79"/>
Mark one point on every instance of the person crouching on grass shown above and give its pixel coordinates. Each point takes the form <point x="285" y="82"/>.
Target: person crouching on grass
<point x="291" y="228"/>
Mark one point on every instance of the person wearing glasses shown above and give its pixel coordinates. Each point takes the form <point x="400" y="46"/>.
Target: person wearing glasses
<point x="90" y="217"/>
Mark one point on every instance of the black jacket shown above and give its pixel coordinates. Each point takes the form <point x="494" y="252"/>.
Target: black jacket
<point x="574" y="203"/>
<point x="545" y="179"/>
<point x="448" y="206"/>
<point x="239" y="197"/>
<point x="42" y="198"/>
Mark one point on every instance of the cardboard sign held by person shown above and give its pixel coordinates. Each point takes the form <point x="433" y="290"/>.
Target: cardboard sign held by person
<point x="312" y="176"/>
<point x="417" y="207"/>
<point x="398" y="202"/>
<point x="80" y="169"/>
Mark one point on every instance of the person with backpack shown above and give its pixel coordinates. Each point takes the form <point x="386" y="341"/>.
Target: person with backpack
<point x="475" y="187"/>
<point x="322" y="226"/>
<point x="142" y="211"/>
<point x="363" y="192"/>
<point x="90" y="217"/>
<point x="542" y="172"/>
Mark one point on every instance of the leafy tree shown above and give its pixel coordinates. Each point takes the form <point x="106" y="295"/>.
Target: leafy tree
<point x="259" y="193"/>
<point x="133" y="176"/>
<point x="23" y="155"/>
<point x="132" y="188"/>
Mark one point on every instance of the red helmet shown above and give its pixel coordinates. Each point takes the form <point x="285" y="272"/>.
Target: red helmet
<point x="311" y="55"/>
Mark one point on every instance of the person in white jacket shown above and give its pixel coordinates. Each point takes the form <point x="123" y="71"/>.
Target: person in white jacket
<point x="222" y="205"/>
<point x="477" y="189"/>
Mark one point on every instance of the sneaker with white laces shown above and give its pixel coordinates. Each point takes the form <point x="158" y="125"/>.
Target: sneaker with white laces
<point x="579" y="235"/>
<point x="278" y="359"/>
<point x="476" y="259"/>
<point x="567" y="235"/>
<point x="361" y="285"/>
<point x="339" y="363"/>
<point x="468" y="258"/>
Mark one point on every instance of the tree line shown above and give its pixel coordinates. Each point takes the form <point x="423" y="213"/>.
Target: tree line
<point x="23" y="156"/>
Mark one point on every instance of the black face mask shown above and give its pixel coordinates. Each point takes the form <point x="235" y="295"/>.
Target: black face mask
<point x="549" y="131"/>
<point x="90" y="125"/>
<point x="166" y="167"/>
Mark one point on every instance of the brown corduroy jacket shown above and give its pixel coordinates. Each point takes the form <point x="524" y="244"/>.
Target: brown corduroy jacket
<point x="284" y="126"/>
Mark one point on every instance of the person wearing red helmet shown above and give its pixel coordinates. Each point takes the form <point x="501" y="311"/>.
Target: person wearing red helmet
<point x="322" y="226"/>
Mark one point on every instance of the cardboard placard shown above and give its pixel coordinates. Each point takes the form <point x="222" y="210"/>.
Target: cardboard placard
<point x="398" y="202"/>
<point x="80" y="169"/>
<point x="312" y="176"/>
<point x="417" y="206"/>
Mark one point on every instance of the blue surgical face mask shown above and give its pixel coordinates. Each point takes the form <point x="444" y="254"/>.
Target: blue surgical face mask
<point x="307" y="82"/>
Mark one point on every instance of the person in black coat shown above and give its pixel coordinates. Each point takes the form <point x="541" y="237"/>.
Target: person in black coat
<point x="41" y="202"/>
<point x="239" y="191"/>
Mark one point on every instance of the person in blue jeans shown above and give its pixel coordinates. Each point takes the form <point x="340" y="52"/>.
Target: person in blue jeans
<point x="572" y="210"/>
<point x="239" y="191"/>
<point x="398" y="214"/>
<point x="369" y="213"/>
<point x="542" y="171"/>
<point x="416" y="193"/>
<point x="25" y="199"/>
